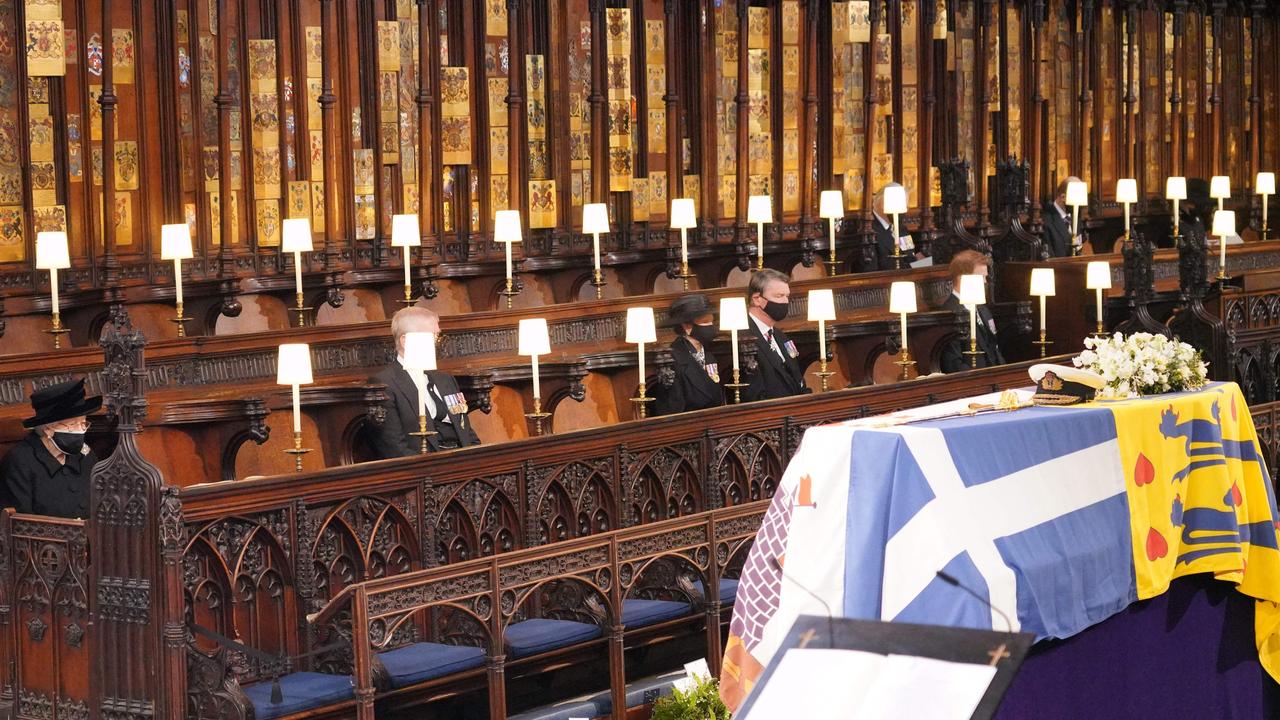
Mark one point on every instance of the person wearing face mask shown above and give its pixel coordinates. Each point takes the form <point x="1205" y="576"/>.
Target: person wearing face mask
<point x="446" y="407"/>
<point x="47" y="472"/>
<point x="778" y="373"/>
<point x="697" y="375"/>
<point x="954" y="359"/>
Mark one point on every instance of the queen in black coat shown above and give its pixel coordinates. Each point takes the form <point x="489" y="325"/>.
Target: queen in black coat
<point x="696" y="382"/>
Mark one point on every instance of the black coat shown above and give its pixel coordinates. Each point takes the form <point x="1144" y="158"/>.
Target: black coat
<point x="1057" y="232"/>
<point x="392" y="438"/>
<point x="35" y="482"/>
<point x="693" y="387"/>
<point x="885" y="244"/>
<point x="953" y="355"/>
<point x="774" y="377"/>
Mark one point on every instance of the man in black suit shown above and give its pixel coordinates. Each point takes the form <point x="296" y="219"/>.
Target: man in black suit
<point x="778" y="372"/>
<point x="954" y="359"/>
<point x="1057" y="223"/>
<point x="882" y="228"/>
<point x="446" y="407"/>
<point x="697" y="375"/>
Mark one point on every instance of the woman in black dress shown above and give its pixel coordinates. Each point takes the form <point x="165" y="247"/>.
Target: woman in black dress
<point x="697" y="375"/>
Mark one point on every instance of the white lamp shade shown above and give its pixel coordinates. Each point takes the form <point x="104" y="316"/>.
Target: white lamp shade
<point x="640" y="325"/>
<point x="1098" y="275"/>
<point x="420" y="351"/>
<point x="175" y="242"/>
<point x="1042" y="282"/>
<point x="51" y="251"/>
<point x="759" y="209"/>
<point x="595" y="218"/>
<point x="1220" y="187"/>
<point x="973" y="290"/>
<point x="1224" y="223"/>
<point x="293" y="365"/>
<point x="683" y="214"/>
<point x="822" y="305"/>
<point x="902" y="297"/>
<point x="1175" y="188"/>
<point x="831" y="205"/>
<point x="1077" y="193"/>
<point x="895" y="199"/>
<point x="295" y="235"/>
<point x="1127" y="190"/>
<point x="506" y="226"/>
<point x="534" y="339"/>
<point x="404" y="231"/>
<point x="1265" y="183"/>
<point x="733" y="313"/>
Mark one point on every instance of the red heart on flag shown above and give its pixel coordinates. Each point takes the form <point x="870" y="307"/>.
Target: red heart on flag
<point x="1157" y="546"/>
<point x="1144" y="473"/>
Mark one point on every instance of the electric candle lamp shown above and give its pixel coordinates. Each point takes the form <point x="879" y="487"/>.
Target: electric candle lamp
<point x="640" y="330"/>
<point x="1127" y="194"/>
<point x="293" y="368"/>
<point x="1224" y="226"/>
<point x="53" y="254"/>
<point x="1265" y="185"/>
<point x="733" y="317"/>
<point x="1043" y="286"/>
<point x="1220" y="189"/>
<point x="760" y="212"/>
<point x="506" y="230"/>
<point x="595" y="220"/>
<point x="973" y="293"/>
<point x="405" y="234"/>
<point x="175" y="245"/>
<point x="895" y="203"/>
<point x="1175" y="189"/>
<point x="296" y="239"/>
<point x="684" y="216"/>
<point x="1077" y="195"/>
<point x="1097" y="279"/>
<point x="419" y="359"/>
<point x="822" y="309"/>
<point x="534" y="341"/>
<point x="902" y="301"/>
<point x="831" y="208"/>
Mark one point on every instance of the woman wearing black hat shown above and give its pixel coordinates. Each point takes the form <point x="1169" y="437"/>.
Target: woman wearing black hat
<point x="47" y="473"/>
<point x="697" y="376"/>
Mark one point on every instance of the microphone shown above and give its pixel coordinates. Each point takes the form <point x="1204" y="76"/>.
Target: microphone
<point x="1001" y="651"/>
<point x="831" y="626"/>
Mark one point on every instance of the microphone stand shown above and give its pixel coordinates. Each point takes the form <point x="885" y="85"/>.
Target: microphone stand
<point x="831" y="626"/>
<point x="1001" y="651"/>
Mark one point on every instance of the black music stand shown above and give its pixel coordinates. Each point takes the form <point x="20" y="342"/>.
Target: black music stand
<point x="1006" y="650"/>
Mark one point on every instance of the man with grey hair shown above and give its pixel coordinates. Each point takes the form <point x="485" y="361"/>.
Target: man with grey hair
<point x="1058" y="240"/>
<point x="778" y="373"/>
<point x="446" y="407"/>
<point x="882" y="229"/>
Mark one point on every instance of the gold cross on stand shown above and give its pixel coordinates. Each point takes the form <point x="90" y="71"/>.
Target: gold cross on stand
<point x="999" y="653"/>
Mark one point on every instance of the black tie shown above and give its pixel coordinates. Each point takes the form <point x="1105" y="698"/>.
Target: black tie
<point x="439" y="415"/>
<point x="769" y="337"/>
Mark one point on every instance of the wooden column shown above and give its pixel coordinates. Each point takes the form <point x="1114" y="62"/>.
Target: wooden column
<point x="675" y="148"/>
<point x="868" y="127"/>
<point x="809" y="123"/>
<point x="516" y="112"/>
<point x="427" y="208"/>
<point x="743" y="100"/>
<point x="368" y="29"/>
<point x="431" y="70"/>
<point x="982" y="112"/>
<point x="1131" y="99"/>
<point x="599" y="109"/>
<point x="223" y="101"/>
<point x="1215" y="97"/>
<point x="1036" y="141"/>
<point x="1256" y="10"/>
<point x="327" y="101"/>
<point x="1177" y="123"/>
<point x="108" y="100"/>
<point x="924" y="117"/>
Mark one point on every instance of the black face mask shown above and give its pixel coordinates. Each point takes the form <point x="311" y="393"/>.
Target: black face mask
<point x="776" y="311"/>
<point x="71" y="443"/>
<point x="703" y="333"/>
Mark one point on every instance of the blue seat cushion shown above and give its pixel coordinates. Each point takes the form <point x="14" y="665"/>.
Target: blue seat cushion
<point x="728" y="589"/>
<point x="639" y="613"/>
<point x="538" y="635"/>
<point x="423" y="661"/>
<point x="301" y="691"/>
<point x="581" y="707"/>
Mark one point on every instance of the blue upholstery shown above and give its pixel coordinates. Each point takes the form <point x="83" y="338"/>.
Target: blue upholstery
<point x="301" y="691"/>
<point x="639" y="613"/>
<point x="423" y="661"/>
<point x="728" y="589"/>
<point x="640" y="692"/>
<point x="542" y="634"/>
